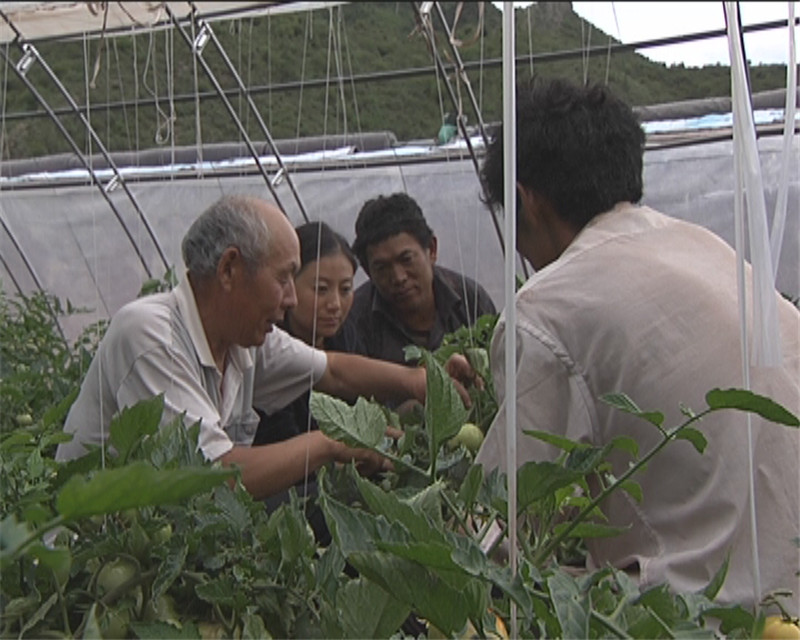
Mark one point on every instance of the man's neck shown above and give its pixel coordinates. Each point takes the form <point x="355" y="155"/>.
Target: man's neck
<point x="212" y="323"/>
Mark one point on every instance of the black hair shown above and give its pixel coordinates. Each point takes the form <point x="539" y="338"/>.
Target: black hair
<point x="580" y="147"/>
<point x="318" y="240"/>
<point x="386" y="216"/>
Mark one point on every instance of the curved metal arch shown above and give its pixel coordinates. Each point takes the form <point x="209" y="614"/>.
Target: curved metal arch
<point x="33" y="273"/>
<point x="196" y="47"/>
<point x="94" y="178"/>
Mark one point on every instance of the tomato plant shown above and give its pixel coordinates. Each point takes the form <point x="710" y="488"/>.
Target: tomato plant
<point x="174" y="551"/>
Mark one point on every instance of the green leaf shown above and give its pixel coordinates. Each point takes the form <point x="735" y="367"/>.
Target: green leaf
<point x="713" y="587"/>
<point x="444" y="409"/>
<point x="538" y="480"/>
<point x="296" y="537"/>
<point x="58" y="559"/>
<point x="169" y="570"/>
<point x="355" y="530"/>
<point x="158" y="630"/>
<point x="361" y="425"/>
<point x="570" y="604"/>
<point x="470" y="486"/>
<point x="626" y="443"/>
<point x="623" y="402"/>
<point x="13" y="535"/>
<point x="565" y="444"/>
<point x="745" y="400"/>
<point x="694" y="436"/>
<point x="40" y="614"/>
<point x="134" y="423"/>
<point x="253" y="626"/>
<point x="424" y="591"/>
<point x="733" y="618"/>
<point x="633" y="489"/>
<point x="367" y="611"/>
<point x="135" y="485"/>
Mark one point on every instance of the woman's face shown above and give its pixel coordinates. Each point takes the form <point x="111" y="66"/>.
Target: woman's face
<point x="325" y="294"/>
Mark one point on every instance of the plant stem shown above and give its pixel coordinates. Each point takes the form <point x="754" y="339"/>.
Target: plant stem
<point x="668" y="437"/>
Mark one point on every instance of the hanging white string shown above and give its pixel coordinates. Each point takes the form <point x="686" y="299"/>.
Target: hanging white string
<point x="510" y="231"/>
<point x="766" y="337"/>
<point x="781" y="204"/>
<point x="742" y="165"/>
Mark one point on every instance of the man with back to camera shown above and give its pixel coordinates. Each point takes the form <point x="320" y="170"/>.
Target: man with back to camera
<point x="212" y="348"/>
<point x="626" y="299"/>
<point x="408" y="299"/>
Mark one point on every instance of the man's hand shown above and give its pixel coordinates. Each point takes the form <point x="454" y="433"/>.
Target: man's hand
<point x="463" y="375"/>
<point x="368" y="462"/>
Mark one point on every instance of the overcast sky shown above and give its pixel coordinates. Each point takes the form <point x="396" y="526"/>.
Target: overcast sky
<point x="636" y="21"/>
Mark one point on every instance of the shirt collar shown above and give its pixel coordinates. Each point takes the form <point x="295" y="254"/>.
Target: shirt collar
<point x="240" y="357"/>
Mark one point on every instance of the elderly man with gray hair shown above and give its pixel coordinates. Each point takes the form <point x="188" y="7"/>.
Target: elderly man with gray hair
<point x="212" y="347"/>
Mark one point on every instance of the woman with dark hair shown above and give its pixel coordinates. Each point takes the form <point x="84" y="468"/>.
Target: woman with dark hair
<point x="324" y="286"/>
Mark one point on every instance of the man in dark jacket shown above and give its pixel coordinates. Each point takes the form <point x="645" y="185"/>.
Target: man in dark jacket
<point x="408" y="298"/>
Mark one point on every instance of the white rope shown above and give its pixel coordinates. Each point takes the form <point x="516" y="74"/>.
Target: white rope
<point x="748" y="179"/>
<point x="766" y="336"/>
<point x="781" y="204"/>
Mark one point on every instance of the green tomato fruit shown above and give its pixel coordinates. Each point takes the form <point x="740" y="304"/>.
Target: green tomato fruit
<point x="163" y="534"/>
<point x="114" y="623"/>
<point x="470" y="435"/>
<point x="24" y="419"/>
<point x="115" y="573"/>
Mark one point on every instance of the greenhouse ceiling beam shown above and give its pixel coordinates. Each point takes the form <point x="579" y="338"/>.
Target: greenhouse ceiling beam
<point x="196" y="46"/>
<point x="282" y="171"/>
<point x="30" y="55"/>
<point x="414" y="72"/>
<point x="424" y="20"/>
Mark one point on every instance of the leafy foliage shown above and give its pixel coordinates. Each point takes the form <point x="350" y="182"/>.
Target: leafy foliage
<point x="147" y="539"/>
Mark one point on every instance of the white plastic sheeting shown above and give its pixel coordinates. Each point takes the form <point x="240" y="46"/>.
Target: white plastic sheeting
<point x="67" y="239"/>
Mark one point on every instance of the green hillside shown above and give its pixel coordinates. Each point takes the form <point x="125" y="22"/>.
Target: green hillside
<point x="292" y="63"/>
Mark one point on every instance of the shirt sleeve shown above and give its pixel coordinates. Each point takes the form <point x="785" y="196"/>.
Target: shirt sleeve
<point x="552" y="396"/>
<point x="162" y="369"/>
<point x="285" y="367"/>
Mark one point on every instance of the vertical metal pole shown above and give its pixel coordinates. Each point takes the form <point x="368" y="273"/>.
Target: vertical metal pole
<point x="510" y="227"/>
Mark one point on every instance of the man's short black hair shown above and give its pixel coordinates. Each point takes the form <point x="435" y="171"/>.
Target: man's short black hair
<point x="580" y="147"/>
<point x="386" y="216"/>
